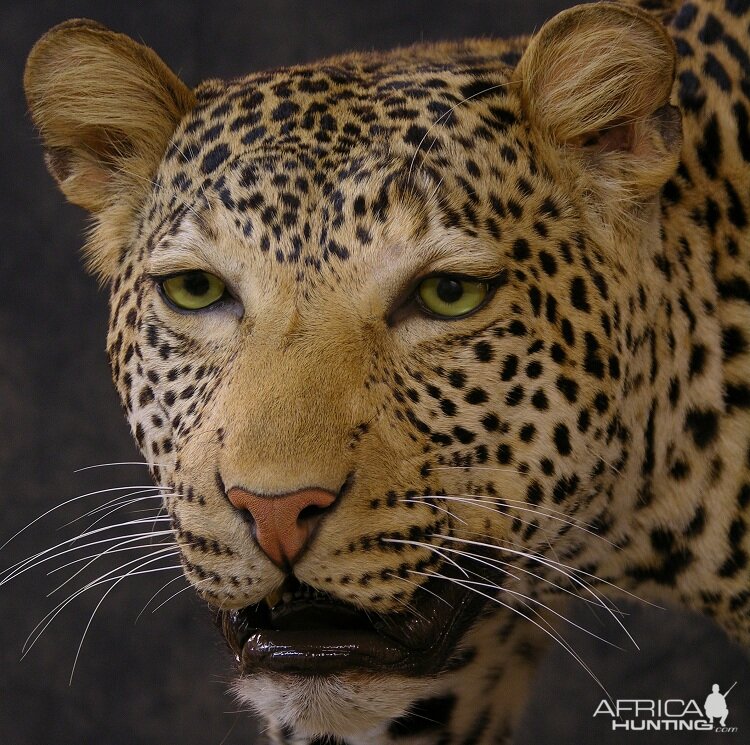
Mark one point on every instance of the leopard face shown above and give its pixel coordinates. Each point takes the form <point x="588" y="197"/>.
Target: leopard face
<point x="382" y="329"/>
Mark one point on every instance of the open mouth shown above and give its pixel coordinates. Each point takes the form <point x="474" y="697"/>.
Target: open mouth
<point x="305" y="631"/>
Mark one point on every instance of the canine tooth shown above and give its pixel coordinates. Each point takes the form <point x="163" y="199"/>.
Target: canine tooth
<point x="273" y="598"/>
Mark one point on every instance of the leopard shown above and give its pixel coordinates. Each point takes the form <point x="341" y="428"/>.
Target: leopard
<point x="426" y="345"/>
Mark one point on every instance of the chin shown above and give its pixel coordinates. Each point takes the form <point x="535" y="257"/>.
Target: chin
<point x="349" y="705"/>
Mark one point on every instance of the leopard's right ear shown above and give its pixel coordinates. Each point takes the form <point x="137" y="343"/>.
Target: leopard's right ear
<point x="105" y="107"/>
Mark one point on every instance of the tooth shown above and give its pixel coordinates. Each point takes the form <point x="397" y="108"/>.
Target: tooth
<point x="287" y="597"/>
<point x="273" y="598"/>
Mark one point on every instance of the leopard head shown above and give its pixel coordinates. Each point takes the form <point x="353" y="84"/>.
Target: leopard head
<point x="369" y="322"/>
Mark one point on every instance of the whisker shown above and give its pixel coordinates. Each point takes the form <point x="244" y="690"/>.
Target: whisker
<point x="29" y="563"/>
<point x="148" y="464"/>
<point x="163" y="587"/>
<point x="448" y="114"/>
<point x="552" y="634"/>
<point x="103" y="598"/>
<point x="70" y="501"/>
<point x="118" y="502"/>
<point x="437" y="507"/>
<point x="39" y="629"/>
<point x="552" y="564"/>
<point x="599" y="580"/>
<point x="190" y="586"/>
<point x="119" y="507"/>
<point x="535" y="601"/>
<point x="96" y="557"/>
<point x="112" y="550"/>
<point x="487" y="503"/>
<point x="422" y="587"/>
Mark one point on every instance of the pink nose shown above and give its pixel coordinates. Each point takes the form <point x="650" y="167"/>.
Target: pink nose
<point x="284" y="523"/>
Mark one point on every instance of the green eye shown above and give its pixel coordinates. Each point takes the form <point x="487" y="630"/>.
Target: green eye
<point x="451" y="297"/>
<point x="193" y="290"/>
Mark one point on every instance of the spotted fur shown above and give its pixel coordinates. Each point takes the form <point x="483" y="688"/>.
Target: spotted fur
<point x="596" y="412"/>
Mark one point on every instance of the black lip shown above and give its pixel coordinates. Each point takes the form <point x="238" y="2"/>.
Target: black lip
<point x="324" y="636"/>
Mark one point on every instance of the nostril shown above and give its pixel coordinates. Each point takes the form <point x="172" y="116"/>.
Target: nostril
<point x="310" y="512"/>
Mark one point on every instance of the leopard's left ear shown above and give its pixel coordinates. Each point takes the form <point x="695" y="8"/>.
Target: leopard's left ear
<point x="597" y="80"/>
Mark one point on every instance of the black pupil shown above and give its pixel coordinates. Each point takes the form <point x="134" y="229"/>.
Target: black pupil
<point x="449" y="290"/>
<point x="195" y="283"/>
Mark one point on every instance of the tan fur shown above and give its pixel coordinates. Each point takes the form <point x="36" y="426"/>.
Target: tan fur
<point x="594" y="409"/>
<point x="105" y="107"/>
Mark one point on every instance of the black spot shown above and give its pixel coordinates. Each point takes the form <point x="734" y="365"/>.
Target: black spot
<point x="685" y="16"/>
<point x="521" y="250"/>
<point x="674" y="391"/>
<point x="527" y="432"/>
<point x="483" y="351"/>
<point x="504" y="453"/>
<point x="736" y="562"/>
<point x="736" y="212"/>
<point x="735" y="287"/>
<point x="415" y="135"/>
<point x="548" y="262"/>
<point x="517" y="328"/>
<point x="540" y="401"/>
<point x="737" y="7"/>
<point x="534" y="493"/>
<point x="703" y="425"/>
<point x="592" y="362"/>
<point x="737" y="395"/>
<point x="514" y="396"/>
<point x="510" y="367"/>
<point x="680" y="470"/>
<point x="146" y="396"/>
<point x="284" y="110"/>
<point x="557" y="353"/>
<point x="743" y="129"/>
<point x="579" y="294"/>
<point x="464" y="435"/>
<point x="253" y="135"/>
<point x="711" y="31"/>
<point x="601" y="402"/>
<point x="534" y="369"/>
<point x="214" y="158"/>
<point x="698" y="356"/>
<point x="697" y="524"/>
<point x="567" y="331"/>
<point x="715" y="70"/>
<point x="568" y="387"/>
<point x="547" y="466"/>
<point x="476" y="396"/>
<point x="648" y="443"/>
<point x="562" y="439"/>
<point x="692" y="98"/>
<point x="490" y="422"/>
<point x="710" y="149"/>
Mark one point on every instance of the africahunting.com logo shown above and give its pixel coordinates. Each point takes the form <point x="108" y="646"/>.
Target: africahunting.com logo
<point x="669" y="715"/>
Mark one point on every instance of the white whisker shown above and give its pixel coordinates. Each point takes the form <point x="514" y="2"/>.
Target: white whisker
<point x="119" y="463"/>
<point x="42" y="556"/>
<point x="553" y="634"/>
<point x="448" y="114"/>
<point x="70" y="501"/>
<point x="39" y="629"/>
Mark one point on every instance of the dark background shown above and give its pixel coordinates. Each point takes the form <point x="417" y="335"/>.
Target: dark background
<point x="163" y="680"/>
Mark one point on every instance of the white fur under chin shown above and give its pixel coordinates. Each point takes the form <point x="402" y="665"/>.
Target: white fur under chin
<point x="342" y="706"/>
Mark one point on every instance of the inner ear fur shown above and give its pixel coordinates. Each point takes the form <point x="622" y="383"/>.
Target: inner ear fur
<point x="597" y="79"/>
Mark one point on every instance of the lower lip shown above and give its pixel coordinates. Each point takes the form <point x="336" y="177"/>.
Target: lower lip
<point x="320" y="652"/>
